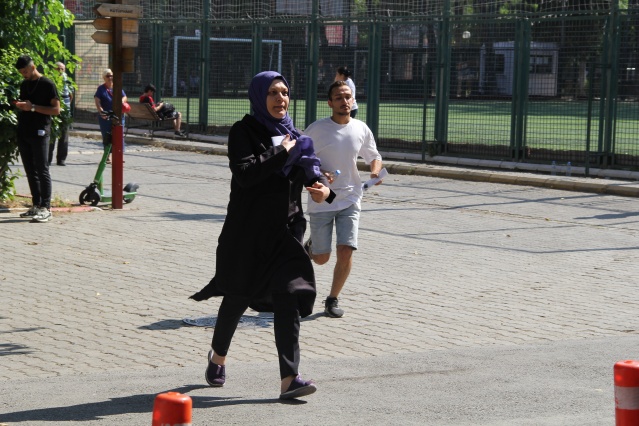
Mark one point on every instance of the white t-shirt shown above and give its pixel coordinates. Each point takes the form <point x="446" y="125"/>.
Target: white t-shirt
<point x="351" y="84"/>
<point x="338" y="146"/>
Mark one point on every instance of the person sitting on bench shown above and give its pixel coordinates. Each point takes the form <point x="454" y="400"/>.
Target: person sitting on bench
<point x="165" y="110"/>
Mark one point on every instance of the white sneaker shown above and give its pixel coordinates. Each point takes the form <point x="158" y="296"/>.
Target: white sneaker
<point x="43" y="215"/>
<point x="30" y="213"/>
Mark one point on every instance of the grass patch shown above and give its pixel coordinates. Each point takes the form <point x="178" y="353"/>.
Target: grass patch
<point x="551" y="124"/>
<point x="25" y="202"/>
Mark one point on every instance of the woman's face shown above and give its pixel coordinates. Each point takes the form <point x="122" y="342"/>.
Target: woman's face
<point x="277" y="99"/>
<point x="108" y="79"/>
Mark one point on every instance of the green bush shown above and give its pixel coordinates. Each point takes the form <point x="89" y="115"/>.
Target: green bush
<point x="36" y="33"/>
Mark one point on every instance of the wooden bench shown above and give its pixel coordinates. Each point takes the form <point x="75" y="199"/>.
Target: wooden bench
<point x="145" y="112"/>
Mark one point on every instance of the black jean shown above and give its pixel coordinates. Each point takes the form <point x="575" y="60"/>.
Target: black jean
<point x="286" y="325"/>
<point x="34" y="152"/>
<point x="63" y="146"/>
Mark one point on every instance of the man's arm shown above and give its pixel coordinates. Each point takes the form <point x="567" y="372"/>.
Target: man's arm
<point x="376" y="166"/>
<point x="54" y="109"/>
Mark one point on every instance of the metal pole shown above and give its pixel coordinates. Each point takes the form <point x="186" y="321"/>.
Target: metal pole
<point x="374" y="77"/>
<point x="443" y="79"/>
<point x="312" y="63"/>
<point x="205" y="54"/>
<point x="117" y="134"/>
<point x="256" y="48"/>
<point x="156" y="57"/>
<point x="591" y="94"/>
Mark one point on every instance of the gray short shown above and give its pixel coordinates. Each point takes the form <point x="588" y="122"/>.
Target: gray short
<point x="346" y="226"/>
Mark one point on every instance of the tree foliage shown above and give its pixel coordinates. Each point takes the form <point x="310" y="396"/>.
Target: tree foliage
<point x="27" y="27"/>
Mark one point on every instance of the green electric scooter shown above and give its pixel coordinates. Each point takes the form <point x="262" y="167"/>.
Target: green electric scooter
<point x="94" y="193"/>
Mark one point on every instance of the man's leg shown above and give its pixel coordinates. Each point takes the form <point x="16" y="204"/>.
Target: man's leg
<point x="63" y="146"/>
<point x="26" y="154"/>
<point x="346" y="228"/>
<point x="51" y="149"/>
<point x="343" y="265"/>
<point x="178" y="122"/>
<point x="41" y="166"/>
<point x="321" y="240"/>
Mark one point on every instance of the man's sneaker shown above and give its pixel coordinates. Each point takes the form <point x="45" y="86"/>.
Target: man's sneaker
<point x="215" y="374"/>
<point x="30" y="213"/>
<point x="180" y="133"/>
<point x="332" y="309"/>
<point x="308" y="247"/>
<point x="43" y="215"/>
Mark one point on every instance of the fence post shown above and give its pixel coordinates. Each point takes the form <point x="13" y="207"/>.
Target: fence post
<point x="425" y="145"/>
<point x="519" y="107"/>
<point x="256" y="49"/>
<point x="156" y="58"/>
<point x="610" y="71"/>
<point x="205" y="55"/>
<point x="311" y="67"/>
<point x="374" y="77"/>
<point x="442" y="90"/>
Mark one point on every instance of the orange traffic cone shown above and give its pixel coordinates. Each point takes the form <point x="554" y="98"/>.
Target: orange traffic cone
<point x="172" y="409"/>
<point x="627" y="393"/>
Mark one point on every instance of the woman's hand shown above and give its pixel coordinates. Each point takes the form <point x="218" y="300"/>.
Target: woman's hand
<point x="288" y="143"/>
<point x="319" y="192"/>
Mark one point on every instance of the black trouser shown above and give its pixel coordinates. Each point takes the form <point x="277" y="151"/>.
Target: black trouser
<point x="286" y="325"/>
<point x="63" y="146"/>
<point x="34" y="152"/>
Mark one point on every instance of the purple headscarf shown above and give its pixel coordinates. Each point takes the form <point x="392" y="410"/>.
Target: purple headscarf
<point x="303" y="153"/>
<point x="258" y="91"/>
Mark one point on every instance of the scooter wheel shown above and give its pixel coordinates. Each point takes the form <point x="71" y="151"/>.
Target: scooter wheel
<point x="90" y="196"/>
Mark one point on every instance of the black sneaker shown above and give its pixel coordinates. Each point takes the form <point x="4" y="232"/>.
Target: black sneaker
<point x="180" y="133"/>
<point x="30" y="213"/>
<point x="332" y="309"/>
<point x="308" y="247"/>
<point x="215" y="374"/>
<point x="61" y="163"/>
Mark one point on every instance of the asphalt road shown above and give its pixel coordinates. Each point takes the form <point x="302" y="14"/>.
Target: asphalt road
<point x="470" y="303"/>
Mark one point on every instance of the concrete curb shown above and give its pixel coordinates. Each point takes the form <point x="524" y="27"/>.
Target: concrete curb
<point x="453" y="168"/>
<point x="566" y="184"/>
<point x="72" y="209"/>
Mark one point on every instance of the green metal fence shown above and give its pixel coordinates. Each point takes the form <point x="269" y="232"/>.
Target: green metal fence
<point x="537" y="84"/>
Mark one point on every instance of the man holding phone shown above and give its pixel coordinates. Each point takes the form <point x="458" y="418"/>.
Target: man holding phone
<point x="38" y="101"/>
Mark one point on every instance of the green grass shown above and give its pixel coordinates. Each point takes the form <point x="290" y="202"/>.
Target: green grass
<point x="551" y="124"/>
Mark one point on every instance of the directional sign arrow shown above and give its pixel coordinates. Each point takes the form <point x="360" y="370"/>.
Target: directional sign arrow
<point x="106" y="24"/>
<point x="106" y="37"/>
<point x="118" y="10"/>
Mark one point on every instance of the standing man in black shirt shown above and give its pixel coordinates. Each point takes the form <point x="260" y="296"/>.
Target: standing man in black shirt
<point x="38" y="102"/>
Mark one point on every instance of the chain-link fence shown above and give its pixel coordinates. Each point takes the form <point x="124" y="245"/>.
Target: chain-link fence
<point x="524" y="81"/>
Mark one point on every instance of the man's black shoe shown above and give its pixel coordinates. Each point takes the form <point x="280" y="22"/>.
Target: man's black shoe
<point x="61" y="163"/>
<point x="332" y="309"/>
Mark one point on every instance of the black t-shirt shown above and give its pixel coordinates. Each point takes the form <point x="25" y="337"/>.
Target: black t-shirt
<point x="39" y="92"/>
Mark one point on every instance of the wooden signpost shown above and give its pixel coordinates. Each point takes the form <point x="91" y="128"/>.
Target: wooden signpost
<point x="117" y="25"/>
<point x="105" y="23"/>
<point x="118" y="10"/>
